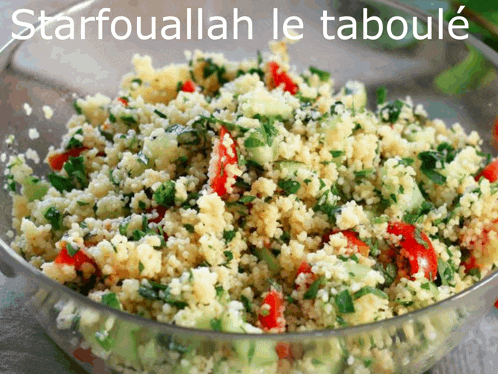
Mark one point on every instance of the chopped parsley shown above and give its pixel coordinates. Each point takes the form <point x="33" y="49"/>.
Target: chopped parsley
<point x="323" y="75"/>
<point x="53" y="216"/>
<point x="165" y="194"/>
<point x="344" y="302"/>
<point x="289" y="186"/>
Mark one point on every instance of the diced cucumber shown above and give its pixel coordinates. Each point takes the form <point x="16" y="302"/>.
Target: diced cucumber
<point x="355" y="95"/>
<point x="326" y="358"/>
<point x="258" y="150"/>
<point x="416" y="200"/>
<point x="290" y="167"/>
<point x="256" y="354"/>
<point x="426" y="135"/>
<point x="126" y="347"/>
<point x="357" y="271"/>
<point x="264" y="254"/>
<point x="34" y="189"/>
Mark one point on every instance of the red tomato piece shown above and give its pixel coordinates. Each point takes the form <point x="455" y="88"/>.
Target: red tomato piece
<point x="305" y="268"/>
<point x="416" y="251"/>
<point x="353" y="240"/>
<point x="84" y="355"/>
<point x="283" y="351"/>
<point x="279" y="77"/>
<point x="161" y="211"/>
<point x="496" y="304"/>
<point x="490" y="172"/>
<point x="77" y="260"/>
<point x="57" y="160"/>
<point x="470" y="263"/>
<point x="123" y="101"/>
<point x="224" y="157"/>
<point x="272" y="313"/>
<point x="188" y="86"/>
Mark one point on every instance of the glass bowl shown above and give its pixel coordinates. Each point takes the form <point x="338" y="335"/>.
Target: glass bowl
<point x="455" y="80"/>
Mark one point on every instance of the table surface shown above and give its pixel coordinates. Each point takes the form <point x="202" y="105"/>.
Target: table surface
<point x="25" y="348"/>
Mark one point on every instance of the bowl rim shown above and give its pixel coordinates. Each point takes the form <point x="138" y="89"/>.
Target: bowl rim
<point x="21" y="266"/>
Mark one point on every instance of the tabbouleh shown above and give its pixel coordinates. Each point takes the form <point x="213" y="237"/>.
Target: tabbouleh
<point x="244" y="197"/>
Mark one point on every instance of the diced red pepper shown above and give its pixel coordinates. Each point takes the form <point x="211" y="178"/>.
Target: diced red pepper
<point x="353" y="240"/>
<point x="272" y="314"/>
<point x="123" y="101"/>
<point x="77" y="260"/>
<point x="224" y="157"/>
<point x="279" y="77"/>
<point x="470" y="263"/>
<point x="188" y="86"/>
<point x="416" y="251"/>
<point x="496" y="304"/>
<point x="57" y="160"/>
<point x="490" y="172"/>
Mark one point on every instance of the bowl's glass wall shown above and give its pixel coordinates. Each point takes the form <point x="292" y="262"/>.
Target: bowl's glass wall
<point x="47" y="72"/>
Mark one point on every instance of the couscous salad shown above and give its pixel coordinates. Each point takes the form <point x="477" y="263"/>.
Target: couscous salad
<point x="245" y="197"/>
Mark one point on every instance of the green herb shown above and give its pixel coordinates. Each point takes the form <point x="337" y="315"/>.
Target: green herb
<point x="334" y="108"/>
<point x="475" y="272"/>
<point x="312" y="291"/>
<point x="253" y="142"/>
<point x="112" y="118"/>
<point x="336" y="154"/>
<point x="73" y="142"/>
<point x="76" y="107"/>
<point x="419" y="239"/>
<point x="344" y="302"/>
<point x="289" y="186"/>
<point x="422" y="210"/>
<point x="128" y="120"/>
<point x="123" y="227"/>
<point x="75" y="168"/>
<point x="228" y="235"/>
<point x="246" y="199"/>
<point x="189" y="228"/>
<point x="53" y="216"/>
<point x="445" y="271"/>
<point x="389" y="272"/>
<point x="160" y="114"/>
<point x="60" y="183"/>
<point x="142" y="205"/>
<point x="363" y="173"/>
<point x="259" y="57"/>
<point x="165" y="194"/>
<point x="379" y="220"/>
<point x="211" y="68"/>
<point x="71" y="251"/>
<point x="406" y="161"/>
<point x="137" y="80"/>
<point x="216" y="324"/>
<point x="82" y="203"/>
<point x="228" y="255"/>
<point x="250" y="352"/>
<point x="219" y="291"/>
<point x="141" y="267"/>
<point x="393" y="111"/>
<point x="247" y="304"/>
<point x="369" y="289"/>
<point x="104" y="340"/>
<point x="381" y="95"/>
<point x="111" y="300"/>
<point x="323" y="75"/>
